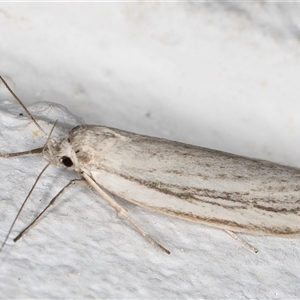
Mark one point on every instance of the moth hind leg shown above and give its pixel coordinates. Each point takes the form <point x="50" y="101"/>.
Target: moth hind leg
<point x="242" y="241"/>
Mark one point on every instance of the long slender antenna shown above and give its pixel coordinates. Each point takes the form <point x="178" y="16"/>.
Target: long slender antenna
<point x="15" y="219"/>
<point x="24" y="107"/>
<point x="49" y="136"/>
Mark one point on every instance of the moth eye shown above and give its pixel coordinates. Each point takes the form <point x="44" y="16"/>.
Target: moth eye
<point x="66" y="161"/>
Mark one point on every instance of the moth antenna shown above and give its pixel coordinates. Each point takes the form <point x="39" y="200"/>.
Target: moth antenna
<point x="119" y="209"/>
<point x="48" y="139"/>
<point x="24" y="202"/>
<point x="24" y="107"/>
<point x="51" y="203"/>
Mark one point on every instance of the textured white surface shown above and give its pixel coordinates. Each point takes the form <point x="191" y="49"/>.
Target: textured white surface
<point x="82" y="249"/>
<point x="220" y="76"/>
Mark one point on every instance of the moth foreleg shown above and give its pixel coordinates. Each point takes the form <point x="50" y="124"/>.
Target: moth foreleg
<point x="51" y="203"/>
<point x="33" y="151"/>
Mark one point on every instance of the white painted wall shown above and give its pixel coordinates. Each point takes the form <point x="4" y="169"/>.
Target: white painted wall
<point x="224" y="76"/>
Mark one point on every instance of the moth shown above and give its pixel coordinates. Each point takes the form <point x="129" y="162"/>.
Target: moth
<point x="234" y="193"/>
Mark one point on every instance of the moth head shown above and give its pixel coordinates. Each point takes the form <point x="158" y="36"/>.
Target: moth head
<point x="60" y="153"/>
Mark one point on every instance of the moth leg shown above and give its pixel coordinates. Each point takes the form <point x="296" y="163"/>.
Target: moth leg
<point x="33" y="151"/>
<point x="120" y="210"/>
<point x="239" y="239"/>
<point x="51" y="203"/>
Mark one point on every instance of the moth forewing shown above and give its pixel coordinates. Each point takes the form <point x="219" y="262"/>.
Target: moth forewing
<point x="194" y="183"/>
